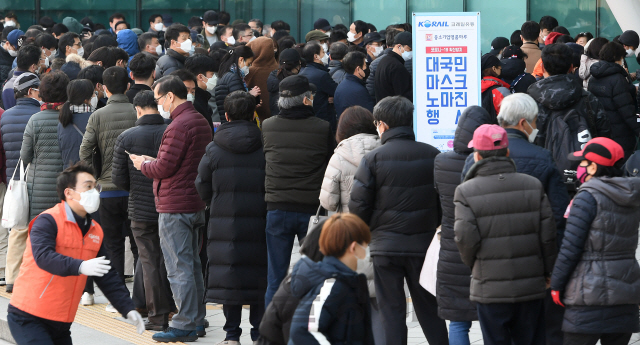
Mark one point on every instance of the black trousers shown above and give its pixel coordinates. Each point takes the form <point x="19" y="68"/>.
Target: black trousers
<point x="29" y="329"/>
<point x="390" y="272"/>
<point x="138" y="295"/>
<point x="592" y="339"/>
<point x="553" y="316"/>
<point x="233" y="315"/>
<point x="116" y="226"/>
<point x="157" y="291"/>
<point x="512" y="323"/>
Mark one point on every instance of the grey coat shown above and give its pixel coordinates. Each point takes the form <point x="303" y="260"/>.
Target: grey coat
<point x="505" y="232"/>
<point x="40" y="148"/>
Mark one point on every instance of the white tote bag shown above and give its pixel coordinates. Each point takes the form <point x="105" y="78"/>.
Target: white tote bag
<point x="15" y="209"/>
<point x="428" y="275"/>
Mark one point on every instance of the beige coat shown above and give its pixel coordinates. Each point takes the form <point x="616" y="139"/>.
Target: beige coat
<point x="533" y="55"/>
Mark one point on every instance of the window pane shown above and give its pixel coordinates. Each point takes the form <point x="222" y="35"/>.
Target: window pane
<point x="335" y="11"/>
<point x="609" y="28"/>
<point x="510" y="14"/>
<point x="436" y="6"/>
<point x="98" y="11"/>
<point x="380" y="13"/>
<point x="575" y="15"/>
<point x="180" y="11"/>
<point x="23" y="9"/>
<point x="271" y="10"/>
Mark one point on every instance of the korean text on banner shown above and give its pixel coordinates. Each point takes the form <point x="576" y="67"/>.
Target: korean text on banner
<point x="446" y="73"/>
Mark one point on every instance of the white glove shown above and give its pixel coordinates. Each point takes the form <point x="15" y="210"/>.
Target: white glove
<point x="136" y="319"/>
<point x="95" y="267"/>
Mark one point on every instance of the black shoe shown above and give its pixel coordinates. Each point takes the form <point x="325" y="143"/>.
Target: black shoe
<point x="200" y="331"/>
<point x="206" y="323"/>
<point x="9" y="288"/>
<point x="154" y="327"/>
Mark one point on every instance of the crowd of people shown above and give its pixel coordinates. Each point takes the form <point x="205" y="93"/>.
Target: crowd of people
<point x="213" y="146"/>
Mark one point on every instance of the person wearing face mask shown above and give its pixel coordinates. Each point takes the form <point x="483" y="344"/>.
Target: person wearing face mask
<point x="289" y="65"/>
<point x="321" y="37"/>
<point x="70" y="43"/>
<point x="156" y="24"/>
<point x="9" y="51"/>
<point x="374" y="46"/>
<point x="234" y="68"/>
<point x="492" y="87"/>
<point x="337" y="52"/>
<point x="179" y="37"/>
<point x="94" y="75"/>
<point x="547" y="24"/>
<point x="149" y="45"/>
<point x="392" y="78"/>
<point x="334" y="306"/>
<point x="204" y="69"/>
<point x="356" y="33"/>
<point x="74" y="115"/>
<point x="508" y="282"/>
<point x="48" y="45"/>
<point x="611" y="84"/>
<point x="600" y="243"/>
<point x="143" y="73"/>
<point x="11" y="20"/>
<point x="263" y="64"/>
<point x="28" y="60"/>
<point x="195" y="94"/>
<point x="318" y="75"/>
<point x="352" y="90"/>
<point x="242" y="33"/>
<point x="102" y="130"/>
<point x="145" y="139"/>
<point x="210" y="23"/>
<point x="67" y="244"/>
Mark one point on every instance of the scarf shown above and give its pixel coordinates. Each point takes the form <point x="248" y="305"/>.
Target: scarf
<point x="235" y="69"/>
<point x="82" y="108"/>
<point x="51" y="106"/>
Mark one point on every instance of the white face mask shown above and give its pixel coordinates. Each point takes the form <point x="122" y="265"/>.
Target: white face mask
<point x="245" y="70"/>
<point x="328" y="33"/>
<point x="351" y="37"/>
<point x="533" y="134"/>
<point x="231" y="41"/>
<point x="366" y="255"/>
<point x="377" y="52"/>
<point x="211" y="29"/>
<point x="164" y="113"/>
<point x="631" y="53"/>
<point x="186" y="46"/>
<point x="190" y="97"/>
<point x="94" y="101"/>
<point x="212" y="82"/>
<point x="13" y="53"/>
<point x="9" y="23"/>
<point x="53" y="53"/>
<point x="90" y="200"/>
<point x="325" y="47"/>
<point x="159" y="49"/>
<point x="46" y="62"/>
<point x="252" y="38"/>
<point x="406" y="55"/>
<point x="80" y="51"/>
<point x="325" y="59"/>
<point x="158" y="26"/>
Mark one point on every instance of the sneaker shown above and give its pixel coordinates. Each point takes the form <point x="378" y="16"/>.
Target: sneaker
<point x="110" y="308"/>
<point x="200" y="331"/>
<point x="9" y="288"/>
<point x="87" y="299"/>
<point x="3" y="282"/>
<point x="206" y="323"/>
<point x="172" y="335"/>
<point x="228" y="342"/>
<point x="154" y="327"/>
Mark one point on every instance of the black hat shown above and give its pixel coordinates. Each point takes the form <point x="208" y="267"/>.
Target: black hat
<point x="295" y="85"/>
<point x="87" y="24"/>
<point x="290" y="56"/>
<point x="498" y="44"/>
<point x="220" y="45"/>
<point x="489" y="60"/>
<point x="630" y="38"/>
<point x="404" y="38"/>
<point x="372" y="37"/>
<point x="512" y="52"/>
<point x="322" y="24"/>
<point x="211" y="18"/>
<point x="46" y="22"/>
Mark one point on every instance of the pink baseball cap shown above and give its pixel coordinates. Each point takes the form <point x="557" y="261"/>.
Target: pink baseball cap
<point x="488" y="138"/>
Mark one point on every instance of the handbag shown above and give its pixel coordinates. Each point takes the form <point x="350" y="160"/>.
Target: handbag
<point x="429" y="273"/>
<point x="15" y="207"/>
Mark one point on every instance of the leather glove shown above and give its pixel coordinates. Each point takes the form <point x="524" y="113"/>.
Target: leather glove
<point x="136" y="319"/>
<point x="95" y="267"/>
<point x="556" y="297"/>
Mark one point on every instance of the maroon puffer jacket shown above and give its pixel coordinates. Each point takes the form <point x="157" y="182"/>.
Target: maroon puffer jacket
<point x="175" y="169"/>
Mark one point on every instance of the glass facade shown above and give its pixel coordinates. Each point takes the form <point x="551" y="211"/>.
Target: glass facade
<point x="180" y="11"/>
<point x="510" y="15"/>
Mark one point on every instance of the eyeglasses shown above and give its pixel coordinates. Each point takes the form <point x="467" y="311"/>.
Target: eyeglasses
<point x="97" y="187"/>
<point x="157" y="100"/>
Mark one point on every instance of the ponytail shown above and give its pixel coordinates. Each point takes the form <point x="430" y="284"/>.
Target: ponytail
<point x="66" y="116"/>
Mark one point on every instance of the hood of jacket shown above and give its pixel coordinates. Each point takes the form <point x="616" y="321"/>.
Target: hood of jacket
<point x="471" y="118"/>
<point x="308" y="274"/>
<point x="557" y="92"/>
<point x="621" y="190"/>
<point x="262" y="48"/>
<point x="354" y="148"/>
<point x="602" y="69"/>
<point x="79" y="60"/>
<point x="238" y="137"/>
<point x="128" y="40"/>
<point x="511" y="68"/>
<point x="491" y="166"/>
<point x="488" y="82"/>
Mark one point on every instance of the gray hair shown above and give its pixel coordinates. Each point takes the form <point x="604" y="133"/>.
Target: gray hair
<point x="516" y="107"/>
<point x="290" y="102"/>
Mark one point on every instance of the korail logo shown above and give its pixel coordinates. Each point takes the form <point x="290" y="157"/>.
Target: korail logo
<point x="95" y="238"/>
<point x="429" y="24"/>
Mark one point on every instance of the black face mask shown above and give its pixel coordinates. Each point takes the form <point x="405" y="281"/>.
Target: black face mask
<point x="366" y="74"/>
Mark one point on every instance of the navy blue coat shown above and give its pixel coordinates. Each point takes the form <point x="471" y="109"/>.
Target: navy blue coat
<point x="536" y="161"/>
<point x="12" y="125"/>
<point x="350" y="92"/>
<point x="319" y="76"/>
<point x="69" y="139"/>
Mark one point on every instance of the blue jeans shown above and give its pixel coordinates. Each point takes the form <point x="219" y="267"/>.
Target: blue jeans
<point x="282" y="228"/>
<point x="180" y="246"/>
<point x="459" y="332"/>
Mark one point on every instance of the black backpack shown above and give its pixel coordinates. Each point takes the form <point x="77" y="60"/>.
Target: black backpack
<point x="487" y="101"/>
<point x="566" y="134"/>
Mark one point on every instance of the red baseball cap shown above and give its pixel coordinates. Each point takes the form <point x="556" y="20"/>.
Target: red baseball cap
<point x="488" y="138"/>
<point x="602" y="151"/>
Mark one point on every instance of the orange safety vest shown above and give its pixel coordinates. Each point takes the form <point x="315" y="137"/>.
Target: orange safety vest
<point x="49" y="296"/>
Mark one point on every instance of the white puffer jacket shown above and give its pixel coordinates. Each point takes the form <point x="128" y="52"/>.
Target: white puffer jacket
<point x="585" y="69"/>
<point x="338" y="179"/>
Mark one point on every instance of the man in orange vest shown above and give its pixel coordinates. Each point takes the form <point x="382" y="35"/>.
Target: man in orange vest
<point x="63" y="248"/>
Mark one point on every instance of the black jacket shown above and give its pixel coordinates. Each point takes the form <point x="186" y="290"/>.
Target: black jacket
<point x="596" y="268"/>
<point x="612" y="85"/>
<point x="227" y="84"/>
<point x="169" y="62"/>
<point x="393" y="191"/>
<point x="134" y="89"/>
<point x="201" y="103"/>
<point x="231" y="179"/>
<point x="143" y="139"/>
<point x="336" y="71"/>
<point x="69" y="139"/>
<point x="350" y="92"/>
<point x="319" y="76"/>
<point x="373" y="66"/>
<point x="562" y="97"/>
<point x="453" y="280"/>
<point x="392" y="78"/>
<point x="6" y="61"/>
<point x="273" y="86"/>
<point x="513" y="70"/>
<point x="297" y="148"/>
